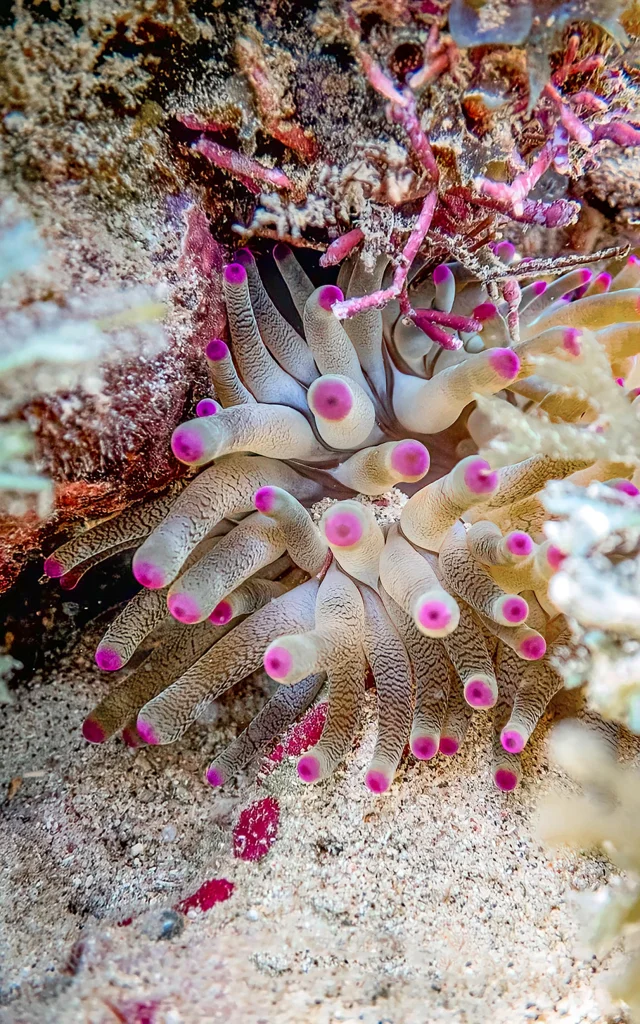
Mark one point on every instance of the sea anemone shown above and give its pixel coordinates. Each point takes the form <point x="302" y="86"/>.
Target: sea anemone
<point x="448" y="608"/>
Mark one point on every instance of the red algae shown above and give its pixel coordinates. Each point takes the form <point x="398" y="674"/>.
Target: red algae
<point x="215" y="890"/>
<point x="257" y="829"/>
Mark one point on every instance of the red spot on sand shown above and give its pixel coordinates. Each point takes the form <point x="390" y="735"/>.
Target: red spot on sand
<point x="216" y="890"/>
<point x="257" y="829"/>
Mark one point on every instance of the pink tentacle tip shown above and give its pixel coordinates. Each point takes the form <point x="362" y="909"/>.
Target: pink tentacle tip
<point x="108" y="660"/>
<point x="243" y="256"/>
<point x="627" y="488"/>
<point x="221" y="614"/>
<point x="555" y="557"/>
<point x="265" y="499"/>
<point x="343" y="529"/>
<point x="184" y="608"/>
<point x="216" y="350"/>
<point x="328" y="296"/>
<point x="485" y="311"/>
<point x="434" y="615"/>
<point x="533" y="648"/>
<point x="512" y="741"/>
<point x="448" y="746"/>
<point x="53" y="567"/>
<point x="278" y="662"/>
<point x="572" y="341"/>
<point x="377" y="781"/>
<point x="206" y="407"/>
<point x="331" y="399"/>
<point x="410" y="459"/>
<point x="235" y="274"/>
<point x="147" y="732"/>
<point x="131" y="738"/>
<point x="585" y="275"/>
<point x="479" y="694"/>
<point x="480" y="478"/>
<point x="505" y="362"/>
<point x="309" y="768"/>
<point x="280" y="251"/>
<point x="603" y="281"/>
<point x="93" y="731"/>
<point x="215" y="777"/>
<point x="442" y="273"/>
<point x="149" y="575"/>
<point x="505" y="251"/>
<point x="513" y="609"/>
<point x="186" y="444"/>
<point x="505" y="780"/>
<point x="519" y="544"/>
<point x="424" y="747"/>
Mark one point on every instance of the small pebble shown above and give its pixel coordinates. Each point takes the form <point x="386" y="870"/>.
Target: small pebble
<point x="167" y="924"/>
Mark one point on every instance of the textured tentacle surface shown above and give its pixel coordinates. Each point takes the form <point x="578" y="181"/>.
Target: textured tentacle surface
<point x="461" y="596"/>
<point x="393" y="675"/>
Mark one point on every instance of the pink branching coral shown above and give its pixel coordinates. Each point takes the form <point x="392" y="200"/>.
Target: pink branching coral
<point x="448" y="608"/>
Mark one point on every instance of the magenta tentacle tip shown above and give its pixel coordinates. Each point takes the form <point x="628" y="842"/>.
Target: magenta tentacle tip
<point x="585" y="275"/>
<point x="186" y="444"/>
<point x="627" y="487"/>
<point x="434" y="615"/>
<point x="265" y="499"/>
<point x="442" y="273"/>
<point x="278" y="663"/>
<point x="533" y="648"/>
<point x="93" y="731"/>
<point x="620" y="381"/>
<point x="506" y="251"/>
<point x="309" y="768"/>
<point x="215" y="777"/>
<point x="243" y="256"/>
<point x="206" y="407"/>
<point x="479" y="694"/>
<point x="377" y="781"/>
<point x="480" y="478"/>
<point x="147" y="732"/>
<point x="53" y="567"/>
<point x="221" y="614"/>
<point x="539" y="288"/>
<point x="513" y="609"/>
<point x="107" y="659"/>
<point x="216" y="350"/>
<point x="331" y="399"/>
<point x="149" y="575"/>
<point x="130" y="737"/>
<point x="571" y="341"/>
<point x="184" y="608"/>
<point x="519" y="544"/>
<point x="235" y="274"/>
<point x="485" y="311"/>
<point x="505" y="780"/>
<point x="555" y="557"/>
<point x="281" y="250"/>
<point x="604" y="281"/>
<point x="410" y="459"/>
<point x="448" y="746"/>
<point x="505" y="362"/>
<point x="343" y="529"/>
<point x="424" y="747"/>
<point x="512" y="741"/>
<point x="328" y="296"/>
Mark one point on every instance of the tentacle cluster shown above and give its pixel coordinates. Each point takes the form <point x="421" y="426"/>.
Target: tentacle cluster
<point x="448" y="609"/>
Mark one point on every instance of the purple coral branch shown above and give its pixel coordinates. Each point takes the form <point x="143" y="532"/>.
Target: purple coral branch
<point x="242" y="167"/>
<point x="341" y="247"/>
<point x="351" y="307"/>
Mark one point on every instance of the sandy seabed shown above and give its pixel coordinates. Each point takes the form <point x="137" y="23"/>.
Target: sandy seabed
<point x="435" y="902"/>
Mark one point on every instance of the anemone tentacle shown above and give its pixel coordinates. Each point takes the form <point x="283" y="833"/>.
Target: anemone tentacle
<point x="452" y="604"/>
